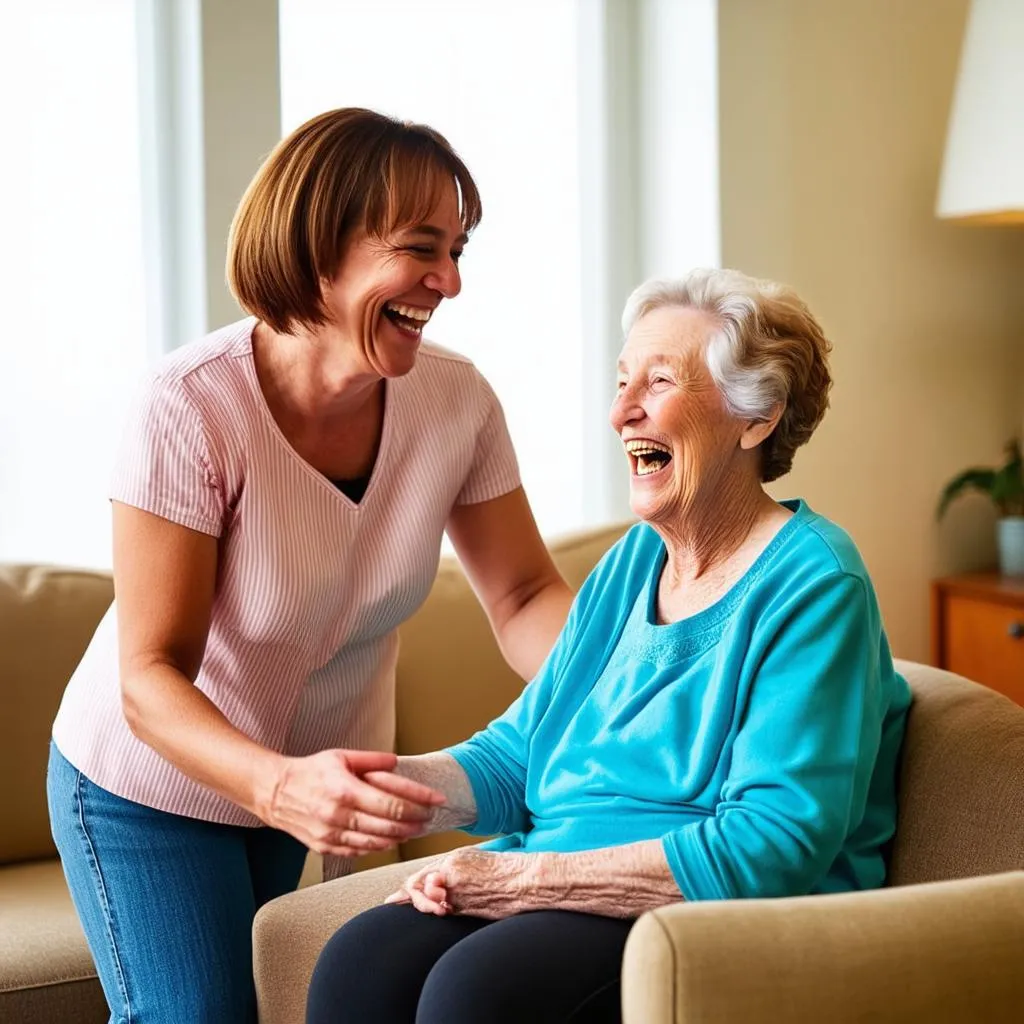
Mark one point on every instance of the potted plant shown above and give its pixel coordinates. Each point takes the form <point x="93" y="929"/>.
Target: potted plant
<point x="1005" y="486"/>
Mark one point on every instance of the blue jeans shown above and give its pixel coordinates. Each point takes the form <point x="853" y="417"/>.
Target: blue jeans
<point x="166" y="901"/>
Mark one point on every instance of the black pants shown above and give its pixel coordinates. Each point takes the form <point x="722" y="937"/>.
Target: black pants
<point x="394" y="965"/>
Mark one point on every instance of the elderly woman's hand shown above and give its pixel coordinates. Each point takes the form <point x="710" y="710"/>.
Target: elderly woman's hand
<point x="473" y="882"/>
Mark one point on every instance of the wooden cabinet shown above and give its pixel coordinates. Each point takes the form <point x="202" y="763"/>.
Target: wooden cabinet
<point x="978" y="630"/>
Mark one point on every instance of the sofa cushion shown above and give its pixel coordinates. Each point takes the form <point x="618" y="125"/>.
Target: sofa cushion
<point x="451" y="678"/>
<point x="46" y="972"/>
<point x="47" y="617"/>
<point x="962" y="781"/>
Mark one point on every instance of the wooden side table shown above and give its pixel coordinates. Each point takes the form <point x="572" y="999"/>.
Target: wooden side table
<point x="978" y="630"/>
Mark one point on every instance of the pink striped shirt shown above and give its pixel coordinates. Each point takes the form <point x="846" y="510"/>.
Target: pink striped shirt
<point x="311" y="587"/>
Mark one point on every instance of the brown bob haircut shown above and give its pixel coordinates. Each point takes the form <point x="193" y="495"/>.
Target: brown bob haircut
<point x="343" y="170"/>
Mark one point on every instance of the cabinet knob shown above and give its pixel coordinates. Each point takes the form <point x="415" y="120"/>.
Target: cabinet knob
<point x="1016" y="630"/>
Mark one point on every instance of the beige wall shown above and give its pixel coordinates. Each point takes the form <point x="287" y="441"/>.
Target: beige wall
<point x="832" y="116"/>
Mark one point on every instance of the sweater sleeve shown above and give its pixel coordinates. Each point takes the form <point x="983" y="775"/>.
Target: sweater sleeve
<point x="802" y="759"/>
<point x="497" y="758"/>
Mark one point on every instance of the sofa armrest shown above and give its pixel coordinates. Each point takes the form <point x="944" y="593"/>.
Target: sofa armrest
<point x="940" y="952"/>
<point x="289" y="933"/>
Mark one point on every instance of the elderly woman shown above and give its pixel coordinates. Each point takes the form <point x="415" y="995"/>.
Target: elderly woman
<point x="278" y="511"/>
<point x="720" y="717"/>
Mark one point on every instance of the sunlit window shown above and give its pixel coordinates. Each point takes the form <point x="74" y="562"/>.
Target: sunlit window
<point x="499" y="80"/>
<point x="72" y="342"/>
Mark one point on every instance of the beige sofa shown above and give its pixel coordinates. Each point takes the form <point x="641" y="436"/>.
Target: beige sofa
<point x="46" y="618"/>
<point x="939" y="952"/>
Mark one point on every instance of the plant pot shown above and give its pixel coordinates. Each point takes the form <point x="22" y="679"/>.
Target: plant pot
<point x="1011" y="545"/>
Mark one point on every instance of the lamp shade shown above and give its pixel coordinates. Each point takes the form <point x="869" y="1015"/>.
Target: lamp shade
<point x="983" y="169"/>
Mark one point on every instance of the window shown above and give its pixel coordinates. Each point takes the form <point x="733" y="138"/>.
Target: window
<point x="499" y="80"/>
<point x="73" y="289"/>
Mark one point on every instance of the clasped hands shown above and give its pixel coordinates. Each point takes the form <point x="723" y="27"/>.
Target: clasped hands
<point x="345" y="803"/>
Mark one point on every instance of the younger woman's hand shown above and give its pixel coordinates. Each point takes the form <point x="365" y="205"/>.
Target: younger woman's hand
<point x="347" y="802"/>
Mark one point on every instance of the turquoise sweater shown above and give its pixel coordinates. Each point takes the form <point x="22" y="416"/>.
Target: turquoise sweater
<point x="758" y="739"/>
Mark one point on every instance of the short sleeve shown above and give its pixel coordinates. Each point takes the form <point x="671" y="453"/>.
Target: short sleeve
<point x="494" y="470"/>
<point x="163" y="465"/>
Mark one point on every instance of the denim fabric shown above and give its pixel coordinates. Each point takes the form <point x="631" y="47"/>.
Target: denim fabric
<point x="166" y="902"/>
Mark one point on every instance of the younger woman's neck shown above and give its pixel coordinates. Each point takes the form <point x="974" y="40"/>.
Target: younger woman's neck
<point x="313" y="373"/>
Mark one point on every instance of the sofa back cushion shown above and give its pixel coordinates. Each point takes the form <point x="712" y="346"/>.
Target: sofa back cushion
<point x="47" y="617"/>
<point x="451" y="677"/>
<point x="961" y="782"/>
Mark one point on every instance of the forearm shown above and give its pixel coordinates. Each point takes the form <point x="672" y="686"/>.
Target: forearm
<point x="442" y="772"/>
<point x="170" y="714"/>
<point x="530" y="628"/>
<point x="618" y="881"/>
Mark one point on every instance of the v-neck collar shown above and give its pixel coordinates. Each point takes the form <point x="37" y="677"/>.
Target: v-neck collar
<point x="275" y="428"/>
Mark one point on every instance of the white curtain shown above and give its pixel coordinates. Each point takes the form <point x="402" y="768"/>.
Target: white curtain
<point x="72" y="287"/>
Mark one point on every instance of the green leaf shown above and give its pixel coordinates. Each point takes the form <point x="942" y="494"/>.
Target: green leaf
<point x="1008" y="485"/>
<point x="1004" y="486"/>
<point x="978" y="479"/>
<point x="1007" y="489"/>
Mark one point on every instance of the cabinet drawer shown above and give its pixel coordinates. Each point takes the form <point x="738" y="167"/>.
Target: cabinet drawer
<point x="985" y="642"/>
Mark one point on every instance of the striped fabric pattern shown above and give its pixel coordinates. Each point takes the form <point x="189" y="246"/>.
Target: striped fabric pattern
<point x="311" y="588"/>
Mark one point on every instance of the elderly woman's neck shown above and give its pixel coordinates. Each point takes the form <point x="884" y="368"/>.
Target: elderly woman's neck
<point x="719" y="536"/>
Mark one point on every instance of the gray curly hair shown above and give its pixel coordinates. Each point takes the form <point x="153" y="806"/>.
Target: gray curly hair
<point x="767" y="348"/>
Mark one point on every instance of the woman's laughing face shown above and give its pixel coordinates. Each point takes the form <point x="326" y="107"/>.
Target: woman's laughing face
<point x="677" y="433"/>
<point x="387" y="288"/>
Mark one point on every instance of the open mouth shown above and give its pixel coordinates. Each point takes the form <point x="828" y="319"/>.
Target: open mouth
<point x="409" y="319"/>
<point x="647" y="457"/>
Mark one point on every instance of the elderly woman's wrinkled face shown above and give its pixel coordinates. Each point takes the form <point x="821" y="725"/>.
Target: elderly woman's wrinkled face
<point x="680" y="439"/>
<point x="386" y="289"/>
